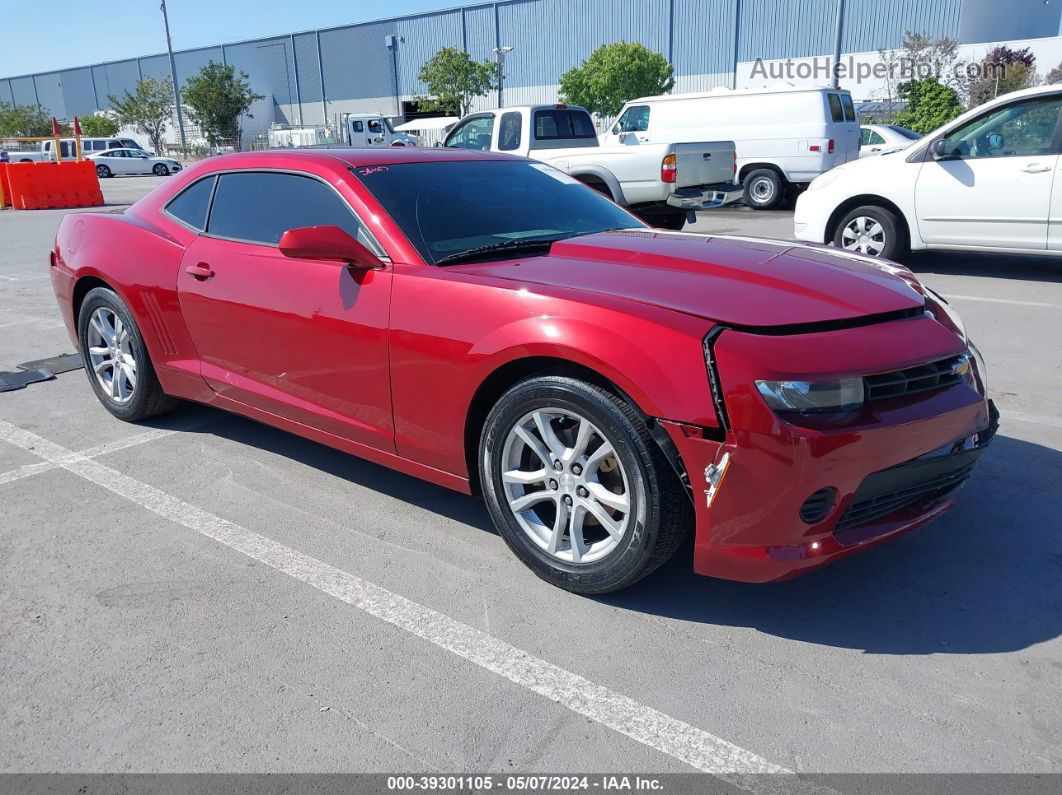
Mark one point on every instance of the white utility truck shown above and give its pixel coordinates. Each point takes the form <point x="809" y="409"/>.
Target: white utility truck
<point x="785" y="135"/>
<point x="372" y="129"/>
<point x="663" y="183"/>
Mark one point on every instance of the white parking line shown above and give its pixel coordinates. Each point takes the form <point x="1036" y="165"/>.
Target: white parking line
<point x="676" y="738"/>
<point x="1037" y="419"/>
<point x="28" y="470"/>
<point x="1003" y="301"/>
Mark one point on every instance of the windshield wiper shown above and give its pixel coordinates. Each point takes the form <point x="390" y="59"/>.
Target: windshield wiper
<point x="524" y="244"/>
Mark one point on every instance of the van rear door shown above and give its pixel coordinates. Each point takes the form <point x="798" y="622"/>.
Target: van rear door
<point x="842" y="127"/>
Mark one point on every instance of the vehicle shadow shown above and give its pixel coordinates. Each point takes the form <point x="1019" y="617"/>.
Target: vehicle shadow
<point x="195" y="418"/>
<point x="1019" y="267"/>
<point x="985" y="578"/>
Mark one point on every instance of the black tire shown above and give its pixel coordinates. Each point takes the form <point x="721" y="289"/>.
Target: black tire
<point x="103" y="171"/>
<point x="660" y="512"/>
<point x="893" y="240"/>
<point x="764" y="189"/>
<point x="160" y="170"/>
<point x="148" y="399"/>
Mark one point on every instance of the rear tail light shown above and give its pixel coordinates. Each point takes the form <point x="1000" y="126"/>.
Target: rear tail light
<point x="669" y="168"/>
<point x="830" y="150"/>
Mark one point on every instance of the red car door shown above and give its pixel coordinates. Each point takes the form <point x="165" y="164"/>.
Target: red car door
<point x="305" y="339"/>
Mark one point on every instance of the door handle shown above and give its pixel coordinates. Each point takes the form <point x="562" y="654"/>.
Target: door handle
<point x="201" y="271"/>
<point x="1036" y="168"/>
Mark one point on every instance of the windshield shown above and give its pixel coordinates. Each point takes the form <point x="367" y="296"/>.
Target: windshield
<point x="914" y="136"/>
<point x="445" y="208"/>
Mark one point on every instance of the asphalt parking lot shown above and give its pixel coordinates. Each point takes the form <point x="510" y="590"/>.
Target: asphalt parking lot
<point x="209" y="594"/>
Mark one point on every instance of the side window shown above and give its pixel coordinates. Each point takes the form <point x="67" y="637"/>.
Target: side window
<point x="836" y="111"/>
<point x="98" y="146"/>
<point x="876" y="139"/>
<point x="375" y="126"/>
<point x="849" y="108"/>
<point x="115" y="144"/>
<point x="1021" y="129"/>
<point x="192" y="203"/>
<point x="864" y="136"/>
<point x="128" y="143"/>
<point x="357" y="126"/>
<point x="509" y="132"/>
<point x="68" y="148"/>
<point x="259" y="207"/>
<point x="475" y="133"/>
<point x="634" y="119"/>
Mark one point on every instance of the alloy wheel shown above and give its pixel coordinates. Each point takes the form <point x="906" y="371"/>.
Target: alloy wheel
<point x="111" y="356"/>
<point x="865" y="235"/>
<point x="565" y="485"/>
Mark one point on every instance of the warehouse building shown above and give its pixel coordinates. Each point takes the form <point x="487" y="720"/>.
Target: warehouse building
<point x="310" y="77"/>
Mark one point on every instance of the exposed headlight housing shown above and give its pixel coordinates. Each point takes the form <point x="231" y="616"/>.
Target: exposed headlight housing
<point x="813" y="397"/>
<point x="944" y="313"/>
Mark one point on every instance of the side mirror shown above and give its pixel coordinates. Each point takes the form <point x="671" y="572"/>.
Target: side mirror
<point x="327" y="243"/>
<point x="938" y="150"/>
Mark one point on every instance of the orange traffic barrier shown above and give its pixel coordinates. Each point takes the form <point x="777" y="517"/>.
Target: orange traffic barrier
<point x="41" y="186"/>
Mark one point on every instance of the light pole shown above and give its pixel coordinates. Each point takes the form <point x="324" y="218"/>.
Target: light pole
<point x="173" y="77"/>
<point x="499" y="56"/>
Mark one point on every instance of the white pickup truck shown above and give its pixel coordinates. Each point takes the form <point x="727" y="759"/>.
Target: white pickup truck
<point x="663" y="183"/>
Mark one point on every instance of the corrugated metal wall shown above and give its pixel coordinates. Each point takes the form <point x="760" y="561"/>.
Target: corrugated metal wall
<point x="361" y="72"/>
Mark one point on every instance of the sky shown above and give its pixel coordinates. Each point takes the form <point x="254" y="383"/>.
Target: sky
<point x="65" y="33"/>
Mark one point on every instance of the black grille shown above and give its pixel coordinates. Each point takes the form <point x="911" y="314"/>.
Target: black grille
<point x="911" y="380"/>
<point x="871" y="508"/>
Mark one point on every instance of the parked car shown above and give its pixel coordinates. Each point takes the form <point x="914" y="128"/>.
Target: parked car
<point x="877" y="139"/>
<point x="489" y="324"/>
<point x="985" y="181"/>
<point x="372" y="129"/>
<point x="132" y="161"/>
<point x="784" y="136"/>
<point x="45" y="153"/>
<point x="661" y="183"/>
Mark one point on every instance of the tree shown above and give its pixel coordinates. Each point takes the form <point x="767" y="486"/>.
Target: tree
<point x="921" y="56"/>
<point x="1001" y="71"/>
<point x="99" y="126"/>
<point x="453" y="80"/>
<point x="148" y="109"/>
<point x="615" y="73"/>
<point x="1054" y="76"/>
<point x="217" y="99"/>
<point x="930" y="104"/>
<point x="18" y="121"/>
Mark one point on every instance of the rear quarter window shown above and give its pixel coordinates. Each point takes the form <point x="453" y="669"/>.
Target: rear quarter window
<point x="190" y="206"/>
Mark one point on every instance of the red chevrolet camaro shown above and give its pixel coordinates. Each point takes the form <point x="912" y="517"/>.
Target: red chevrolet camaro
<point x="489" y="324"/>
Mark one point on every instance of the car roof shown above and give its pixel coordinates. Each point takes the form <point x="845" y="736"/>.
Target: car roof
<point x="379" y="156"/>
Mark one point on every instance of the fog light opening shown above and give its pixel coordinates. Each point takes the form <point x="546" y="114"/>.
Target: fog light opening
<point x="818" y="505"/>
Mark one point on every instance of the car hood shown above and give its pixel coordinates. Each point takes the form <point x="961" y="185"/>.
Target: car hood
<point x="735" y="281"/>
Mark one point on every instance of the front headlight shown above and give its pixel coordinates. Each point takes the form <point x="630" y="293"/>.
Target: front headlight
<point x="813" y="397"/>
<point x="822" y="180"/>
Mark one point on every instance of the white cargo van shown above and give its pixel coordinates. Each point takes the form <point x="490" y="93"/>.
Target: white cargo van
<point x="784" y="135"/>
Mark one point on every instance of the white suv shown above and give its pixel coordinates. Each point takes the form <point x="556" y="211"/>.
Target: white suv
<point x="984" y="181"/>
